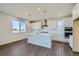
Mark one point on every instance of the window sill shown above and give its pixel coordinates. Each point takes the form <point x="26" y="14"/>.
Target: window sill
<point x="19" y="32"/>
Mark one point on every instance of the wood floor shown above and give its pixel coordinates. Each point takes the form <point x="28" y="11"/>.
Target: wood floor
<point x="22" y="48"/>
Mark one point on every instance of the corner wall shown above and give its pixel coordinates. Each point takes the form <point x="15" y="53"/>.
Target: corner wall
<point x="6" y="35"/>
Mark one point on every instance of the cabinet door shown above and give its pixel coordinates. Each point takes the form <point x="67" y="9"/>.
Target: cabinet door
<point x="41" y="40"/>
<point x="36" y="25"/>
<point x="76" y="35"/>
<point x="71" y="41"/>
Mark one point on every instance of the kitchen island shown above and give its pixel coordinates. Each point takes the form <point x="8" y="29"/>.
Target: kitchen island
<point x="40" y="39"/>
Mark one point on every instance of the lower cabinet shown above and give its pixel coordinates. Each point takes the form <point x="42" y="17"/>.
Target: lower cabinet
<point x="40" y="40"/>
<point x="71" y="41"/>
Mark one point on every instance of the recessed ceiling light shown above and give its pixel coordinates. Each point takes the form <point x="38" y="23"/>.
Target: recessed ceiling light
<point x="39" y="9"/>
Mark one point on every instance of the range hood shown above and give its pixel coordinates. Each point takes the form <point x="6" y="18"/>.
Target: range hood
<point x="45" y="21"/>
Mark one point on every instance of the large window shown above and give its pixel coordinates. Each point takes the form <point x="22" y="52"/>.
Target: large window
<point x="18" y="26"/>
<point x="60" y="25"/>
<point x="22" y="27"/>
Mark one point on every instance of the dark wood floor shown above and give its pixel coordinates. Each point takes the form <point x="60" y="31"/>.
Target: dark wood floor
<point x="22" y="48"/>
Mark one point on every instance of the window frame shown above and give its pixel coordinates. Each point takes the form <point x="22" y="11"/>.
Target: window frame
<point x="19" y="31"/>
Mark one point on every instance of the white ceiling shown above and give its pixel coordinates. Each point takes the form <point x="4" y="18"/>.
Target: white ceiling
<point x="23" y="10"/>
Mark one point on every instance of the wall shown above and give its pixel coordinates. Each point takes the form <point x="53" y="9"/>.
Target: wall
<point x="68" y="22"/>
<point x="52" y="24"/>
<point x="6" y="35"/>
<point x="75" y="11"/>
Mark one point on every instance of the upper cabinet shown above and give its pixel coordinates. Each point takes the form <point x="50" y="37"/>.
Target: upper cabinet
<point x="75" y="12"/>
<point x="36" y="25"/>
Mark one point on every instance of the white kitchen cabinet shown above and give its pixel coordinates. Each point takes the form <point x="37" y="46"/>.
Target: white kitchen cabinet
<point x="71" y="41"/>
<point x="36" y="25"/>
<point x="40" y="39"/>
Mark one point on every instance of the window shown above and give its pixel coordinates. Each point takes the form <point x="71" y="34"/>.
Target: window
<point x="15" y="26"/>
<point x="18" y="26"/>
<point x="22" y="27"/>
<point x="60" y="25"/>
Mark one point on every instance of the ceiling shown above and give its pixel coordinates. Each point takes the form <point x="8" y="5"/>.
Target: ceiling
<point x="36" y="11"/>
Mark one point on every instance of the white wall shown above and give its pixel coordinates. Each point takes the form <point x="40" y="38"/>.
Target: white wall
<point x="75" y="11"/>
<point x="68" y="22"/>
<point x="52" y="24"/>
<point x="6" y="35"/>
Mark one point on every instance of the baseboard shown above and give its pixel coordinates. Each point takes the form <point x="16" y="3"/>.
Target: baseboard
<point x="75" y="51"/>
<point x="60" y="41"/>
<point x="12" y="42"/>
